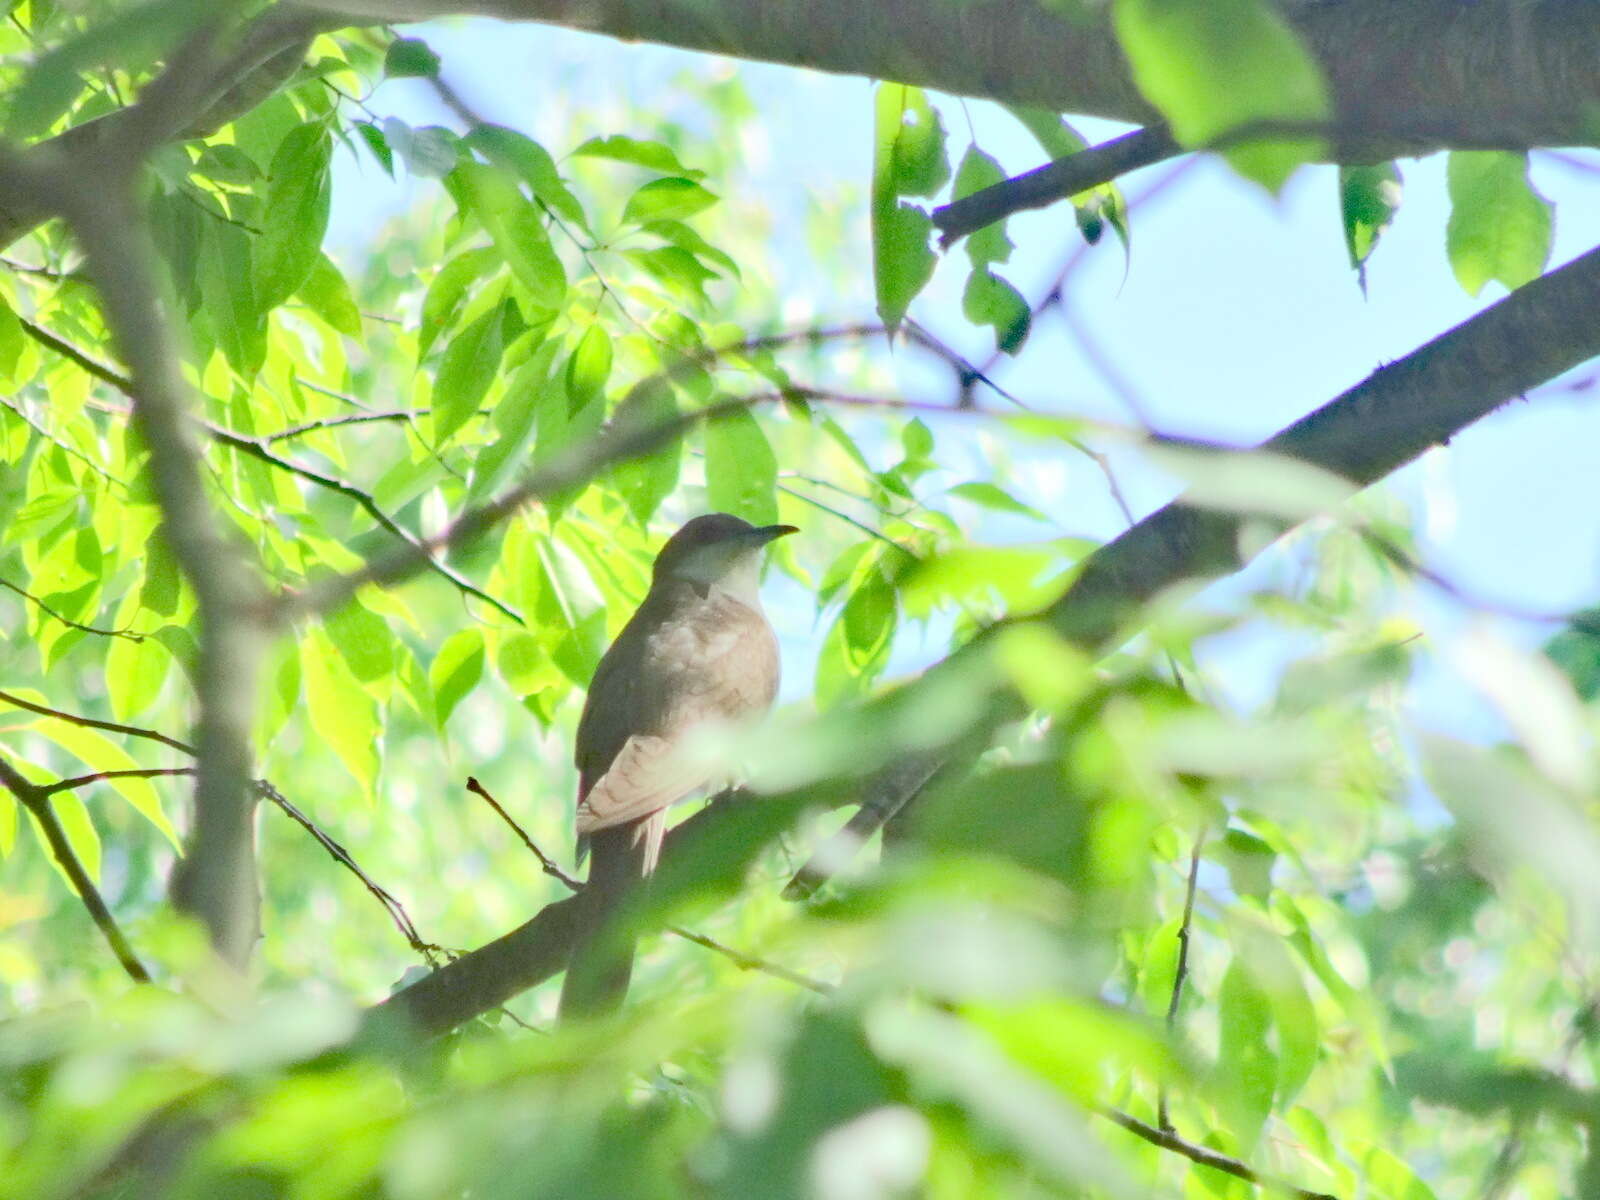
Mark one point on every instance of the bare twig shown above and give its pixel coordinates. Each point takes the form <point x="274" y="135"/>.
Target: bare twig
<point x="78" y="781"/>
<point x="1181" y="971"/>
<point x="1168" y="1140"/>
<point x="746" y="962"/>
<point x="396" y="910"/>
<point x="68" y="621"/>
<point x="95" y="723"/>
<point x="37" y="801"/>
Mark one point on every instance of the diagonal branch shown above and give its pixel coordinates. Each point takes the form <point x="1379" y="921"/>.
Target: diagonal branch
<point x="1540" y="331"/>
<point x="1206" y="1157"/>
<point x="36" y="800"/>
<point x="1054" y="181"/>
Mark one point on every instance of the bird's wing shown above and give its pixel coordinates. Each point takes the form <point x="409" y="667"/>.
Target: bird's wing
<point x="647" y="775"/>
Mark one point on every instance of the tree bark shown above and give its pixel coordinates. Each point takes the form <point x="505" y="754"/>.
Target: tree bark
<point x="1527" y="72"/>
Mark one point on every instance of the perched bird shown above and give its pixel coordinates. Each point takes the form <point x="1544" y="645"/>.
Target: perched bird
<point x="697" y="652"/>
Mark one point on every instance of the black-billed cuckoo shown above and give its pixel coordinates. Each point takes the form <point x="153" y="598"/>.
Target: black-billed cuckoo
<point x="697" y="652"/>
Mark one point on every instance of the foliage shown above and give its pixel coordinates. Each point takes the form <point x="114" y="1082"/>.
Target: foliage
<point x="1305" y="938"/>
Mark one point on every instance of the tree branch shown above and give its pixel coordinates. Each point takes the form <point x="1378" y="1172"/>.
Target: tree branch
<point x="95" y="723"/>
<point x="1168" y="1140"/>
<point x="1422" y="400"/>
<point x="744" y="961"/>
<point x="68" y="621"/>
<point x="36" y="800"/>
<point x="1054" y="181"/>
<point x="1379" y="58"/>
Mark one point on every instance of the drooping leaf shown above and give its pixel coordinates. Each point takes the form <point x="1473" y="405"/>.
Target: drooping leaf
<point x="455" y="671"/>
<point x="470" y="364"/>
<point x="295" y="216"/>
<point x="1500" y="228"/>
<point x="1369" y="197"/>
<point x="908" y="160"/>
<point x="518" y="232"/>
<point x="410" y="58"/>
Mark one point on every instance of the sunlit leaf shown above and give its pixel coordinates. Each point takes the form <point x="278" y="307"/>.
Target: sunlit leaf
<point x="1500" y="228"/>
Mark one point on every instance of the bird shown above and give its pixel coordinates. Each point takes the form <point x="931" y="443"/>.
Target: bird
<point x="697" y="652"/>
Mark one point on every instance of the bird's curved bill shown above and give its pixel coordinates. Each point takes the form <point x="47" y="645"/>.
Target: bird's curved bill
<point x="767" y="533"/>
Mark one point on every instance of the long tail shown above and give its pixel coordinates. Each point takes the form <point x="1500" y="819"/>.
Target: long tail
<point x="601" y="962"/>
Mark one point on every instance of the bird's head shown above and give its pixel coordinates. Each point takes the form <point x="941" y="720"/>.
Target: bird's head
<point x="717" y="550"/>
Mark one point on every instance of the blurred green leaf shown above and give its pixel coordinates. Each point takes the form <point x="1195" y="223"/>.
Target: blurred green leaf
<point x="1500" y="228"/>
<point x="518" y="232"/>
<point x="666" y="200"/>
<point x="741" y="469"/>
<point x="471" y="362"/>
<point x="1217" y="67"/>
<point x="1369" y="197"/>
<point x="455" y="671"/>
<point x="408" y="58"/>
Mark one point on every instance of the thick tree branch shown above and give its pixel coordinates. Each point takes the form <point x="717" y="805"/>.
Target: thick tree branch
<point x="1528" y="68"/>
<point x="1422" y="400"/>
<point x="36" y="800"/>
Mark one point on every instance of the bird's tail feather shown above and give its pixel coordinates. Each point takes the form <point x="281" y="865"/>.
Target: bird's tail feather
<point x="601" y="962"/>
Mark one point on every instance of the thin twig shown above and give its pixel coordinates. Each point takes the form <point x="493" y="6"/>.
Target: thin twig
<point x="68" y="621"/>
<point x="1168" y="1140"/>
<point x="95" y="723"/>
<point x="37" y="801"/>
<point x="78" y="781"/>
<point x="1181" y="971"/>
<point x="744" y="961"/>
<point x="396" y="910"/>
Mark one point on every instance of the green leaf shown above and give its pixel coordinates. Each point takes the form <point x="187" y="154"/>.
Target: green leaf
<point x="513" y="421"/>
<point x="523" y="156"/>
<point x="645" y="482"/>
<point x="908" y="160"/>
<point x="227" y="273"/>
<point x="1056" y="137"/>
<point x="989" y="244"/>
<point x="342" y="714"/>
<point x="326" y="293"/>
<point x="470" y="364"/>
<point x="295" y="214"/>
<point x="990" y="495"/>
<point x="655" y="155"/>
<point x="917" y="439"/>
<point x="410" y="58"/>
<point x="588" y="368"/>
<point x="448" y="289"/>
<point x="912" y="133"/>
<point x="1500" y="228"/>
<point x="132" y="39"/>
<point x="518" y="232"/>
<point x="135" y="672"/>
<point x="99" y="753"/>
<point x="1369" y="197"/>
<point x="159" y="592"/>
<point x="672" y="199"/>
<point x="364" y="640"/>
<point x="12" y="340"/>
<point x="378" y="144"/>
<point x="741" y="470"/>
<point x="1216" y="67"/>
<point x="1245" y="1062"/>
<point x="455" y="671"/>
<point x="990" y="300"/>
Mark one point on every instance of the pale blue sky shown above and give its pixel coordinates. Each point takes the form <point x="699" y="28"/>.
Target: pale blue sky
<point x="1238" y="313"/>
